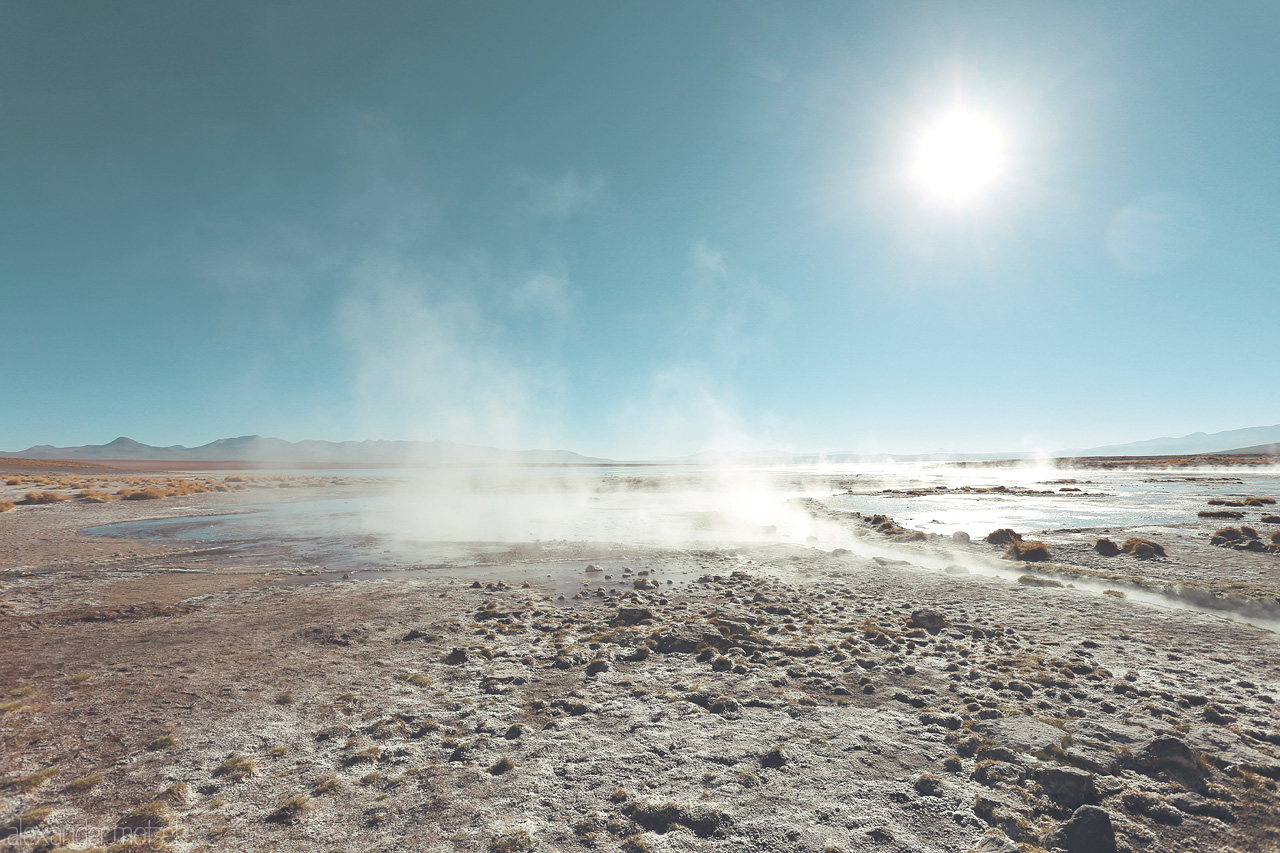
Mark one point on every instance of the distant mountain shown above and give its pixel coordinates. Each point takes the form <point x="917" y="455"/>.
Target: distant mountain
<point x="1198" y="442"/>
<point x="844" y="457"/>
<point x="256" y="448"/>
<point x="1259" y="450"/>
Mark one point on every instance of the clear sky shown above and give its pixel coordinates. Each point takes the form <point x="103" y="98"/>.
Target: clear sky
<point x="639" y="228"/>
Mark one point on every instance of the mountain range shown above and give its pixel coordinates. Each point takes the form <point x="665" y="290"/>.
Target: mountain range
<point x="256" y="448"/>
<point x="1253" y="441"/>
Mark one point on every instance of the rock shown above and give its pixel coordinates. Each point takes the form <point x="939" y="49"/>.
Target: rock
<point x="1088" y="831"/>
<point x="1106" y="548"/>
<point x="679" y="639"/>
<point x="1003" y="536"/>
<point x="631" y="616"/>
<point x="930" y="620"/>
<point x="1143" y="549"/>
<point x="457" y="656"/>
<point x="703" y="821"/>
<point x="1032" y="580"/>
<point x="1195" y="804"/>
<point x="641" y="583"/>
<point x="996" y="844"/>
<point x="960" y="537"/>
<point x="956" y="570"/>
<point x="774" y="758"/>
<point x="841" y="552"/>
<point x="1166" y="752"/>
<point x="1066" y="786"/>
<point x="593" y="569"/>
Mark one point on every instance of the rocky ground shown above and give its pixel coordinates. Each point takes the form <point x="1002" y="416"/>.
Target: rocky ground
<point x="758" y="697"/>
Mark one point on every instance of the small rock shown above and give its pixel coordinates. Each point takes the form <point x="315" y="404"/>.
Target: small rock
<point x="457" y="656"/>
<point x="930" y="620"/>
<point x="961" y="537"/>
<point x="1066" y="786"/>
<point x="1032" y="580"/>
<point x="1088" y="831"/>
<point x="1106" y="548"/>
<point x="631" y="616"/>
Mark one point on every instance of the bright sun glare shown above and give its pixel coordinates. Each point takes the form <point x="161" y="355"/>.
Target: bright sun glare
<point x="959" y="156"/>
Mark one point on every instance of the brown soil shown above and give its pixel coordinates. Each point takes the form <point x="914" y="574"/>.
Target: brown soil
<point x="784" y="699"/>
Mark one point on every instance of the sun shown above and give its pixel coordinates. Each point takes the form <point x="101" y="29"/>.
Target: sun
<point x="959" y="156"/>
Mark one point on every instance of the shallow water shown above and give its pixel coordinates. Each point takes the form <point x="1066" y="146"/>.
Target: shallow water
<point x="456" y="516"/>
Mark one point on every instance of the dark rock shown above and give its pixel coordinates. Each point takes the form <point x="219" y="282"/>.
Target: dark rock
<point x="1106" y="548"/>
<point x="679" y="639"/>
<point x="997" y="773"/>
<point x="1088" y="831"/>
<point x="705" y="822"/>
<point x="631" y="616"/>
<point x="1166" y="752"/>
<point x="930" y="620"/>
<point x="1066" y="786"/>
<point x="1198" y="805"/>
<point x="774" y="758"/>
<point x="457" y="656"/>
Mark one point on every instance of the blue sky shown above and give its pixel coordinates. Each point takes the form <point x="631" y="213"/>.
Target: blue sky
<point x="633" y="229"/>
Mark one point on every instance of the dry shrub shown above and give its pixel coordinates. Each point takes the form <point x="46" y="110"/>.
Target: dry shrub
<point x="1257" y="501"/>
<point x="1271" y="519"/>
<point x="1226" y="513"/>
<point x="1275" y="538"/>
<point x="1230" y="534"/>
<point x="1003" y="536"/>
<point x="1027" y="552"/>
<point x="93" y="496"/>
<point x="1143" y="549"/>
<point x="13" y="481"/>
<point x="5" y="506"/>
<point x="238" y="767"/>
<point x="150" y="493"/>
<point x="44" y="498"/>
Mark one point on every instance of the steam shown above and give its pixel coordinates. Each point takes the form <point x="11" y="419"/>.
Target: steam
<point x="428" y="362"/>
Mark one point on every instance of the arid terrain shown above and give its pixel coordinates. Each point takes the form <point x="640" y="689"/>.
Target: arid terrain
<point x="581" y="696"/>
